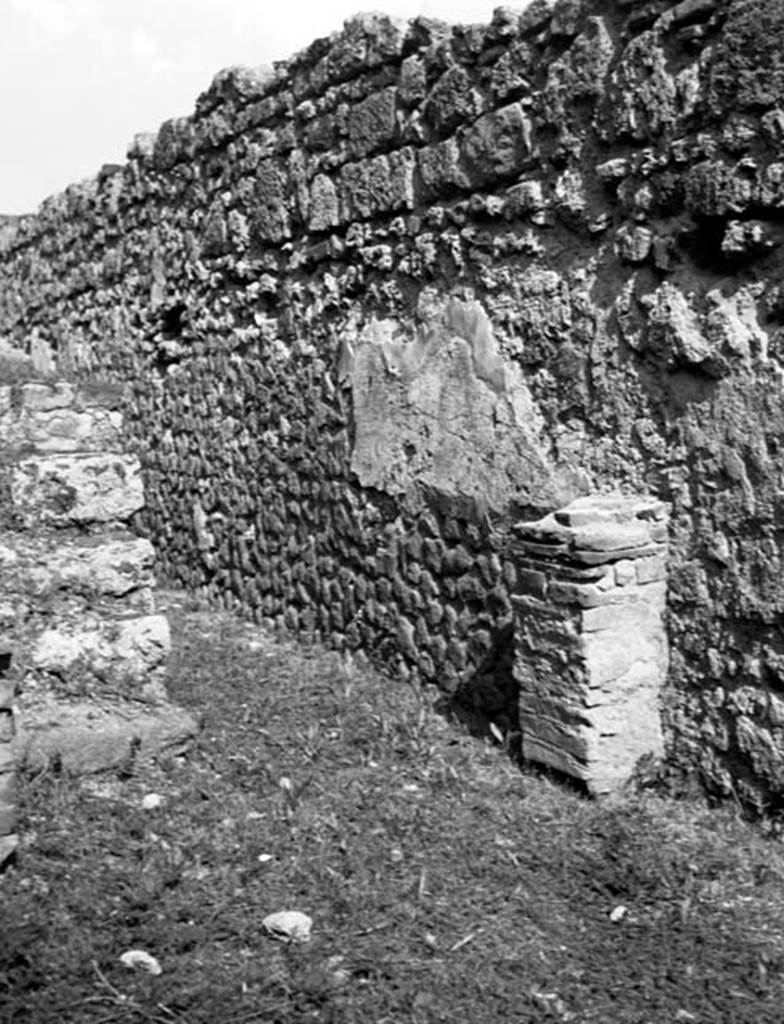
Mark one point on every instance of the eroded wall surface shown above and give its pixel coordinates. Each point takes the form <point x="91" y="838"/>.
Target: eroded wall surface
<point x="418" y="282"/>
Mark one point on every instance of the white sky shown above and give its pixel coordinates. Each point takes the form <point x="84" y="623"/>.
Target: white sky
<point x="78" y="78"/>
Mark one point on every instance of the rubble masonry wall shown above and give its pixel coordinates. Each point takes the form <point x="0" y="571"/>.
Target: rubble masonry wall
<point x="419" y="282"/>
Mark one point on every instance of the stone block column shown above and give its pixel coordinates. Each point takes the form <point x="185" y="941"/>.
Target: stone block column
<point x="77" y="599"/>
<point x="591" y="649"/>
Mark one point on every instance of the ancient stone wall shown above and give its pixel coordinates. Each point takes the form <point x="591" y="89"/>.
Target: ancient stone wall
<point x="379" y="302"/>
<point x="76" y="590"/>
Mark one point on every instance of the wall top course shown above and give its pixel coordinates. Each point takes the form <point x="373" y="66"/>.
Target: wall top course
<point x="597" y="528"/>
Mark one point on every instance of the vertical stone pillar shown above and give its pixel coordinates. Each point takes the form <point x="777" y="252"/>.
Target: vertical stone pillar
<point x="7" y="765"/>
<point x="77" y="584"/>
<point x="590" y="643"/>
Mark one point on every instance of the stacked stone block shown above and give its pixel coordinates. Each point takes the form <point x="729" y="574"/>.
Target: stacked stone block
<point x="77" y="603"/>
<point x="591" y="646"/>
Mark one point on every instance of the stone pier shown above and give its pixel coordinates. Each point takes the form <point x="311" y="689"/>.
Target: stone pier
<point x="591" y="648"/>
<point x="77" y="605"/>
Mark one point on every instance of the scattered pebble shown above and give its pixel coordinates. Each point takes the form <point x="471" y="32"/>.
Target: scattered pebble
<point x="152" y="801"/>
<point x="104" y="789"/>
<point x="617" y="914"/>
<point x="552" y="1003"/>
<point x="135" y="959"/>
<point x="265" y="858"/>
<point x="338" y="974"/>
<point x="288" y="926"/>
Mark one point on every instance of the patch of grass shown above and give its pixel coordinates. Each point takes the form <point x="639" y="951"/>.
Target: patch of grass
<point x="444" y="885"/>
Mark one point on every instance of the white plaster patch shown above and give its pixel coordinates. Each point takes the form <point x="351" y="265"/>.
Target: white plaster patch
<point x="445" y="410"/>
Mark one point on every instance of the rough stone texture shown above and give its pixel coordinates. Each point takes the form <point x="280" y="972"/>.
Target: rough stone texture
<point x="77" y="488"/>
<point x="112" y="567"/>
<point x="606" y="180"/>
<point x="59" y="418"/>
<point x="591" y="645"/>
<point x="120" y="653"/>
<point x="77" y="604"/>
<point x="442" y="412"/>
<point x="85" y="737"/>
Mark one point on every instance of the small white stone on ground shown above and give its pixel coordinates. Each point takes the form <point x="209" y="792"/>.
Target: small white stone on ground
<point x="141" y="960"/>
<point x="288" y="926"/>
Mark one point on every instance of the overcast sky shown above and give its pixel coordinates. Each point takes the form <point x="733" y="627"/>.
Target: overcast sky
<point x="78" y="78"/>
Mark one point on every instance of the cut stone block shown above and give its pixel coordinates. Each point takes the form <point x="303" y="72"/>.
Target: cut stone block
<point x="596" y="509"/>
<point x="66" y="489"/>
<point x="62" y="430"/>
<point x="107" y="567"/>
<point x="38" y="563"/>
<point x="589" y="696"/>
<point x="42" y="397"/>
<point x="118" y="652"/>
<point x="89" y="736"/>
<point x="611" y="536"/>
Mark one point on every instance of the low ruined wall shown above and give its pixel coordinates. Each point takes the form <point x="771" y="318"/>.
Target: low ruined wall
<point x="380" y="302"/>
<point x="76" y="588"/>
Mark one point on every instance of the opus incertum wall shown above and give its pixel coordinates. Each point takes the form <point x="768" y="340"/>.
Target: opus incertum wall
<point x="419" y="283"/>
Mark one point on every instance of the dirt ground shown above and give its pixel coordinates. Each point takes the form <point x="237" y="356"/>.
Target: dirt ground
<point x="443" y="883"/>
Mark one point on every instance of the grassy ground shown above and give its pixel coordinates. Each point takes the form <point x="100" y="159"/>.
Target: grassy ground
<point x="443" y="884"/>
